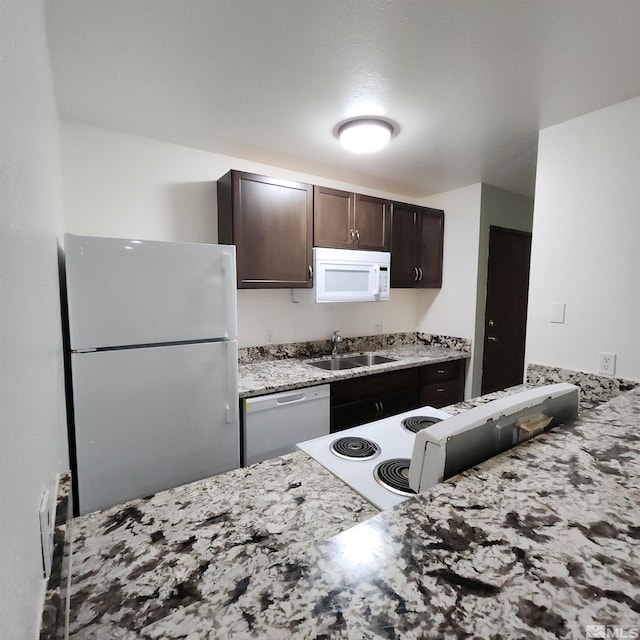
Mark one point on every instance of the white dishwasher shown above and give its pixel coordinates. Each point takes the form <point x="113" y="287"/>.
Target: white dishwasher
<point x="274" y="423"/>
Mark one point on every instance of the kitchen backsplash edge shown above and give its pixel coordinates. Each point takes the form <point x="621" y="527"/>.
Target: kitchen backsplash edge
<point x="594" y="389"/>
<point x="317" y="348"/>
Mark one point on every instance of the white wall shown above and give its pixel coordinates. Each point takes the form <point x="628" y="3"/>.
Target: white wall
<point x="273" y="310"/>
<point x="452" y="309"/>
<point x="586" y="242"/>
<point x="122" y="185"/>
<point x="32" y="427"/>
<point x="117" y="184"/>
<point x="499" y="208"/>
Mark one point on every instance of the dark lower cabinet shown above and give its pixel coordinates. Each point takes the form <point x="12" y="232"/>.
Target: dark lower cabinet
<point x="353" y="414"/>
<point x="356" y="401"/>
<point x="442" y="384"/>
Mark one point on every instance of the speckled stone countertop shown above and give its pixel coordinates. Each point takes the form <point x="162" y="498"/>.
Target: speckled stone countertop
<point x="535" y="543"/>
<point x="271" y="376"/>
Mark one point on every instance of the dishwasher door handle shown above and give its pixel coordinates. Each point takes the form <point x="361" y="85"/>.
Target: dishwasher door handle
<point x="284" y="399"/>
<point x="298" y="397"/>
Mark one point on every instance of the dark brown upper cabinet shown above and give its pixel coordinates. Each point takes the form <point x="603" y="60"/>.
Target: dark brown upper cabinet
<point x="344" y="220"/>
<point x="271" y="223"/>
<point x="417" y="238"/>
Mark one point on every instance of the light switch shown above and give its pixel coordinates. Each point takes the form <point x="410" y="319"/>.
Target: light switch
<point x="557" y="312"/>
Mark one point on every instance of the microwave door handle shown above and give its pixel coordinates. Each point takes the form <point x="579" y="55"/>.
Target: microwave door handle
<point x="376" y="286"/>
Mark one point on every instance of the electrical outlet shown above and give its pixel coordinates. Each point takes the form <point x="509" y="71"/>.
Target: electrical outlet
<point x="46" y="533"/>
<point x="268" y="336"/>
<point x="607" y="363"/>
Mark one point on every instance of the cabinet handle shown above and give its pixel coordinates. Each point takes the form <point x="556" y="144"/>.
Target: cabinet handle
<point x="415" y="278"/>
<point x="310" y="272"/>
<point x="352" y="235"/>
<point x="357" y="235"/>
<point x="440" y="390"/>
<point x="381" y="409"/>
<point x="420" y="268"/>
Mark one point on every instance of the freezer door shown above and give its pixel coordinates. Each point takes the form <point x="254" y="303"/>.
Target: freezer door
<point x="140" y="292"/>
<point x="153" y="418"/>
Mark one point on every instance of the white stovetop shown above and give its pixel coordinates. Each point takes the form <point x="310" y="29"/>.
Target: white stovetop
<point x="394" y="441"/>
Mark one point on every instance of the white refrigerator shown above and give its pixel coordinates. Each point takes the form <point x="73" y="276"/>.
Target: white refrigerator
<point x="154" y="365"/>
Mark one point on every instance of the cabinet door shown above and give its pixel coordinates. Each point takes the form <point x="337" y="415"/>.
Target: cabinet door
<point x="354" y="414"/>
<point x="332" y="218"/>
<point x="392" y="404"/>
<point x="372" y="223"/>
<point x="404" y="245"/>
<point x="357" y="401"/>
<point x="431" y="247"/>
<point x="373" y="386"/>
<point x="270" y="221"/>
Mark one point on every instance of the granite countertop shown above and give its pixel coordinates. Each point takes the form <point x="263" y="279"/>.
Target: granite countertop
<point x="136" y="563"/>
<point x="537" y="542"/>
<point x="271" y="376"/>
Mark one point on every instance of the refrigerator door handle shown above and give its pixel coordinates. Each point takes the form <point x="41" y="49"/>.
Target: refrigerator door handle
<point x="232" y="382"/>
<point x="229" y="278"/>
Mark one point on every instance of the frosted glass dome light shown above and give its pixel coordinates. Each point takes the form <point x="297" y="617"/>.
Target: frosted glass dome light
<point x="365" y="135"/>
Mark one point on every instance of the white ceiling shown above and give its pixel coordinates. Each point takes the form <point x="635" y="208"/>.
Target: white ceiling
<point x="468" y="82"/>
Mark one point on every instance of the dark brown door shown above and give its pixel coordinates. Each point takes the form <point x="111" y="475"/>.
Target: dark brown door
<point x="272" y="230"/>
<point x="506" y="308"/>
<point x="372" y="222"/>
<point x="404" y="245"/>
<point x="431" y="243"/>
<point x="333" y="218"/>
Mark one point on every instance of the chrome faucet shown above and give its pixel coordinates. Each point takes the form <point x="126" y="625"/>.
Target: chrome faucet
<point x="336" y="339"/>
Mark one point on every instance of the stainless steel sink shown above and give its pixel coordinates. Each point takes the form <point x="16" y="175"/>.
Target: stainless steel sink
<point x="335" y="363"/>
<point x="367" y="359"/>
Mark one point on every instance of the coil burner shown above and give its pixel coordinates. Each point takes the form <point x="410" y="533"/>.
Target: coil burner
<point x="354" y="448"/>
<point x="417" y="423"/>
<point x="394" y="475"/>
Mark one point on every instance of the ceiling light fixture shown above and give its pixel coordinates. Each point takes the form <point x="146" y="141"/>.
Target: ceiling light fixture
<point x="364" y="135"/>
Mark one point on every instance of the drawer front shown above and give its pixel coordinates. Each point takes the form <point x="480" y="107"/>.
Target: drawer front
<point x="440" y="371"/>
<point x="440" y="394"/>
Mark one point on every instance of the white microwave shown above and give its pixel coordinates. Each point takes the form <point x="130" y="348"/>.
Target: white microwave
<point x="344" y="275"/>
